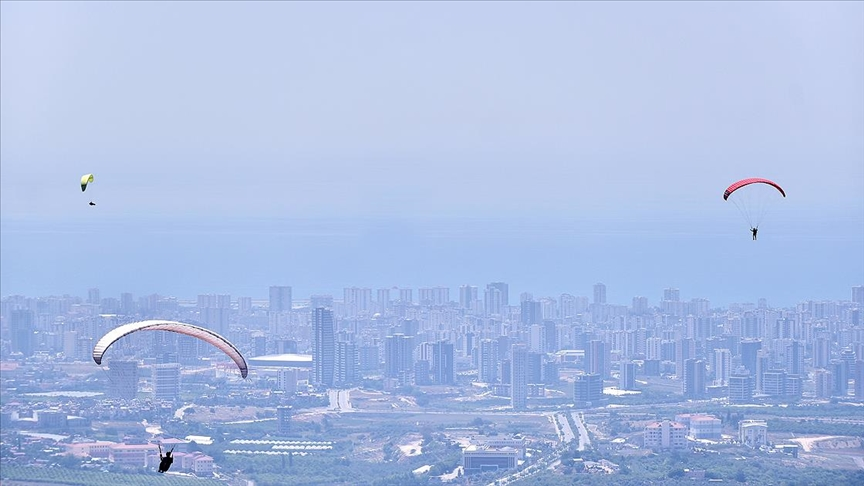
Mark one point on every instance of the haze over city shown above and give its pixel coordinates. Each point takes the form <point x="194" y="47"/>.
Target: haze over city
<point x="426" y="243"/>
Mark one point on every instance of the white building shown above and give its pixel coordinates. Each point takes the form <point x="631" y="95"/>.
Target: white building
<point x="753" y="433"/>
<point x="701" y="426"/>
<point x="489" y="458"/>
<point x="665" y="435"/>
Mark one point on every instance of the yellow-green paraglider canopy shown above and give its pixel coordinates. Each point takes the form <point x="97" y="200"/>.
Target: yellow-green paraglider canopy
<point x="86" y="179"/>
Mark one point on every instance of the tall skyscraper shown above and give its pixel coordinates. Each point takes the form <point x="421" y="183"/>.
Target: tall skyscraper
<point x="640" y="305"/>
<point x="383" y="299"/>
<point x="627" y="379"/>
<point x="795" y="358"/>
<point x="123" y="376"/>
<point x="597" y="358"/>
<point x="166" y="381"/>
<point x="599" y="293"/>
<point x="347" y="364"/>
<point x="467" y="297"/>
<point x="280" y="299"/>
<point x="821" y="352"/>
<point x="398" y="355"/>
<point x="21" y="329"/>
<point x="671" y="294"/>
<point x="488" y="361"/>
<point x="323" y="347"/>
<point x="721" y="365"/>
<point x="519" y="378"/>
<point x="93" y="296"/>
<point x="694" y="378"/>
<point x="685" y="348"/>
<point x="531" y="313"/>
<point x="749" y="349"/>
<point x="215" y="312"/>
<point x="496" y="298"/>
<point x="504" y="289"/>
<point x="858" y="295"/>
<point x="442" y="363"/>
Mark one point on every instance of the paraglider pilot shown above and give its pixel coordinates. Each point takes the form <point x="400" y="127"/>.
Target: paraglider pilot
<point x="754" y="231"/>
<point x="166" y="459"/>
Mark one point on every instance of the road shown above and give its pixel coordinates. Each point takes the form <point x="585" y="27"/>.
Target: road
<point x="567" y="431"/>
<point x="584" y="439"/>
<point x="340" y="400"/>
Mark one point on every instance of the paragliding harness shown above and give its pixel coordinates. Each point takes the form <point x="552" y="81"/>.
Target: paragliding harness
<point x="166" y="460"/>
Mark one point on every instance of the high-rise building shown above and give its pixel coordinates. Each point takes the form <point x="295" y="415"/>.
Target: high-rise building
<point x="599" y="293"/>
<point x="323" y="347"/>
<point x="640" y="305"/>
<point x="398" y="355"/>
<point x="21" y="329"/>
<point x="597" y="358"/>
<point x="795" y="358"/>
<point x="740" y="388"/>
<point x="383" y="299"/>
<point x="587" y="389"/>
<point x="467" y="297"/>
<point x="685" y="348"/>
<point x="823" y="382"/>
<point x="628" y="376"/>
<point x="357" y="300"/>
<point x="504" y="289"/>
<point x="535" y="368"/>
<point x="347" y="363"/>
<point x="749" y="348"/>
<point x="550" y="336"/>
<point x="519" y="378"/>
<point x="488" y="361"/>
<point x="841" y="378"/>
<point x="286" y="380"/>
<point x="774" y="383"/>
<point x="283" y="420"/>
<point x="406" y="296"/>
<point x="166" y="381"/>
<point x="859" y="379"/>
<point x="653" y="348"/>
<point x="93" y="296"/>
<point x="442" y="363"/>
<point x="721" y="365"/>
<point x="496" y="298"/>
<point x="821" y="352"/>
<point x="531" y="313"/>
<point x="123" y="375"/>
<point x="280" y="299"/>
<point x="215" y="312"/>
<point x="694" y="378"/>
<point x="858" y="295"/>
<point x="671" y="294"/>
<point x="127" y="304"/>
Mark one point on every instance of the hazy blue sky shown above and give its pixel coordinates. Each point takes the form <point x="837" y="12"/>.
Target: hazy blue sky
<point x="559" y="111"/>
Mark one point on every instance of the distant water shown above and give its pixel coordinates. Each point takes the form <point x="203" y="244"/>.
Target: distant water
<point x="704" y="255"/>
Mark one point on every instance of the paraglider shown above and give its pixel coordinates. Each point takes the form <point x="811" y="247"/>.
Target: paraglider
<point x="201" y="333"/>
<point x="753" y="197"/>
<point x="87" y="179"/>
<point x="166" y="460"/>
